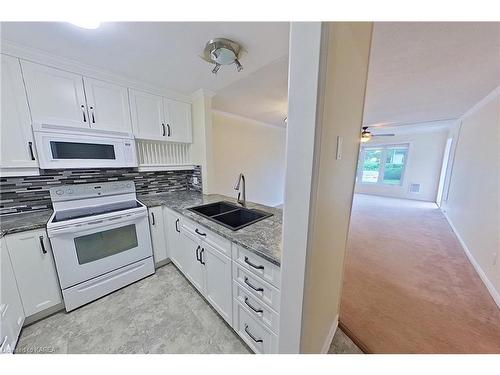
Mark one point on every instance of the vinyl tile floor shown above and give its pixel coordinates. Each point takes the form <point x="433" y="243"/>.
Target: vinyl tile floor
<point x="162" y="313"/>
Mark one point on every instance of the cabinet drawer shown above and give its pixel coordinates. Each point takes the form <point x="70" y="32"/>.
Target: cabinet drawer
<point x="260" y="289"/>
<point x="255" y="307"/>
<point x="219" y="243"/>
<point x="256" y="335"/>
<point x="257" y="265"/>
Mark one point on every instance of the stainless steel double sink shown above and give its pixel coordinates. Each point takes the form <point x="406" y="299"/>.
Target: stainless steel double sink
<point x="230" y="215"/>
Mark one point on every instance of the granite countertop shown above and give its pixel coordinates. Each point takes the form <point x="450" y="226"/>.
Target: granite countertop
<point x="262" y="238"/>
<point x="24" y="221"/>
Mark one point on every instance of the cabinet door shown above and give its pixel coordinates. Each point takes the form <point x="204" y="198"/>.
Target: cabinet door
<point x="11" y="309"/>
<point x="178" y="121"/>
<point x="173" y="235"/>
<point x="55" y="96"/>
<point x="17" y="148"/>
<point x="147" y="115"/>
<point x="108" y="105"/>
<point x="218" y="281"/>
<point x="157" y="228"/>
<point x="35" y="271"/>
<point x="188" y="258"/>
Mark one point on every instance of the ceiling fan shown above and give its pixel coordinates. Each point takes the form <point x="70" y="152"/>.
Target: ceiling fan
<point x="366" y="135"/>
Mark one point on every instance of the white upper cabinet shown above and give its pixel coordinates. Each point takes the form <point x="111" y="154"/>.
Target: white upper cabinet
<point x="108" y="106"/>
<point x="160" y="119"/>
<point x="178" y="121"/>
<point x="147" y="115"/>
<point x="18" y="155"/>
<point x="55" y="96"/>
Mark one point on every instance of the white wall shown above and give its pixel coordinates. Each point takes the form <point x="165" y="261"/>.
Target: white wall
<point x="425" y="158"/>
<point x="473" y="205"/>
<point x="341" y="106"/>
<point x="257" y="150"/>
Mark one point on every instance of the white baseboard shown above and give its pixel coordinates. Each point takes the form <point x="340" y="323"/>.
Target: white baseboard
<point x="487" y="283"/>
<point x="329" y="338"/>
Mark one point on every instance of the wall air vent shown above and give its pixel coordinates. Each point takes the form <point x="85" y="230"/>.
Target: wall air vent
<point x="414" y="188"/>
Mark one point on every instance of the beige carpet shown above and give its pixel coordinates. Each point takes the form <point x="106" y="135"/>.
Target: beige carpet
<point x="409" y="287"/>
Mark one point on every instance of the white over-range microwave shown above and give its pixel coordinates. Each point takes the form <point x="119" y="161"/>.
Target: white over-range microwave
<point x="61" y="147"/>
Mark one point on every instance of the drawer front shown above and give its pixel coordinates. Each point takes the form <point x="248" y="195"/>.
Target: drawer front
<point x="257" y="265"/>
<point x="257" y="336"/>
<point x="260" y="289"/>
<point x="256" y="308"/>
<point x="219" y="243"/>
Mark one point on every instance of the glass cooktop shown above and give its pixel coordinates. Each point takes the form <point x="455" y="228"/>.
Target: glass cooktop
<point x="91" y="211"/>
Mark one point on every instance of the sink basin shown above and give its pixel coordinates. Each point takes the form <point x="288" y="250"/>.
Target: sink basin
<point x="212" y="209"/>
<point x="230" y="215"/>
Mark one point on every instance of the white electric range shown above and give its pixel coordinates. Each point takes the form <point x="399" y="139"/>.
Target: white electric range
<point x="100" y="239"/>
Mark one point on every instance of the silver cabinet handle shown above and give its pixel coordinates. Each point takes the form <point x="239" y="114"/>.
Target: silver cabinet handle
<point x="83" y="113"/>
<point x="168" y="130"/>
<point x="42" y="245"/>
<point x="250" y="334"/>
<point x="253" y="265"/>
<point x="253" y="308"/>
<point x="30" y="147"/>
<point x="252" y="286"/>
<point x="92" y="112"/>
<point x="163" y="128"/>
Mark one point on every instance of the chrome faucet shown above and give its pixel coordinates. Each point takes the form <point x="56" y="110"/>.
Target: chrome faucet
<point x="243" y="201"/>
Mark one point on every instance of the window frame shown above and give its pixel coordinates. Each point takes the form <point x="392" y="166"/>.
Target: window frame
<point x="383" y="160"/>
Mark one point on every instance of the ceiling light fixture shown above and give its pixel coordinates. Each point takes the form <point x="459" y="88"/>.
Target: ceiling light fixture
<point x="221" y="51"/>
<point x="87" y="24"/>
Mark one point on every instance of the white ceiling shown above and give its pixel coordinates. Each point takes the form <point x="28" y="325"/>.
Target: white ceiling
<point x="424" y="71"/>
<point x="262" y="95"/>
<point x="162" y="54"/>
<point x="419" y="72"/>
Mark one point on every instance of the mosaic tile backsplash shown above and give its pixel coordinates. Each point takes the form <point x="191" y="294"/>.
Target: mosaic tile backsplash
<point x="20" y="194"/>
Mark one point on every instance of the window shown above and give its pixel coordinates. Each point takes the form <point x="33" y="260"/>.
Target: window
<point x="382" y="164"/>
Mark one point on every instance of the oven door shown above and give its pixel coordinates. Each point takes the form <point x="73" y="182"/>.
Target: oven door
<point x="86" y="250"/>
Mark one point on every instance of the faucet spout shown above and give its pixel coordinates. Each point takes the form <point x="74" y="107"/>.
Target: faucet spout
<point x="240" y="182"/>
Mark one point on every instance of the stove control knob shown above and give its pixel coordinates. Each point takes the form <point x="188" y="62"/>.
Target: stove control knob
<point x="129" y="184"/>
<point x="59" y="192"/>
<point x="69" y="191"/>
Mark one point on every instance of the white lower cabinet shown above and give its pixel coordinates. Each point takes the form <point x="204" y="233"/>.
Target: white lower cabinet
<point x="218" y="281"/>
<point x="11" y="308"/>
<point x="208" y="268"/>
<point x="260" y="338"/>
<point x="158" y="234"/>
<point x="33" y="264"/>
<point x="190" y="259"/>
<point x="173" y="222"/>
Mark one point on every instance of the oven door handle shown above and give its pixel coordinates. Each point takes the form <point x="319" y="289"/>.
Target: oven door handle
<point x="99" y="223"/>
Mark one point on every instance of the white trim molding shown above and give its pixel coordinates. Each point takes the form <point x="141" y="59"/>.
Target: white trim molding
<point x="328" y="341"/>
<point x="488" y="98"/>
<point x="245" y="119"/>
<point x="487" y="283"/>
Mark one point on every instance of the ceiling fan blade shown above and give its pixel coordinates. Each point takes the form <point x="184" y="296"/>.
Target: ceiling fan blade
<point x="383" y="135"/>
